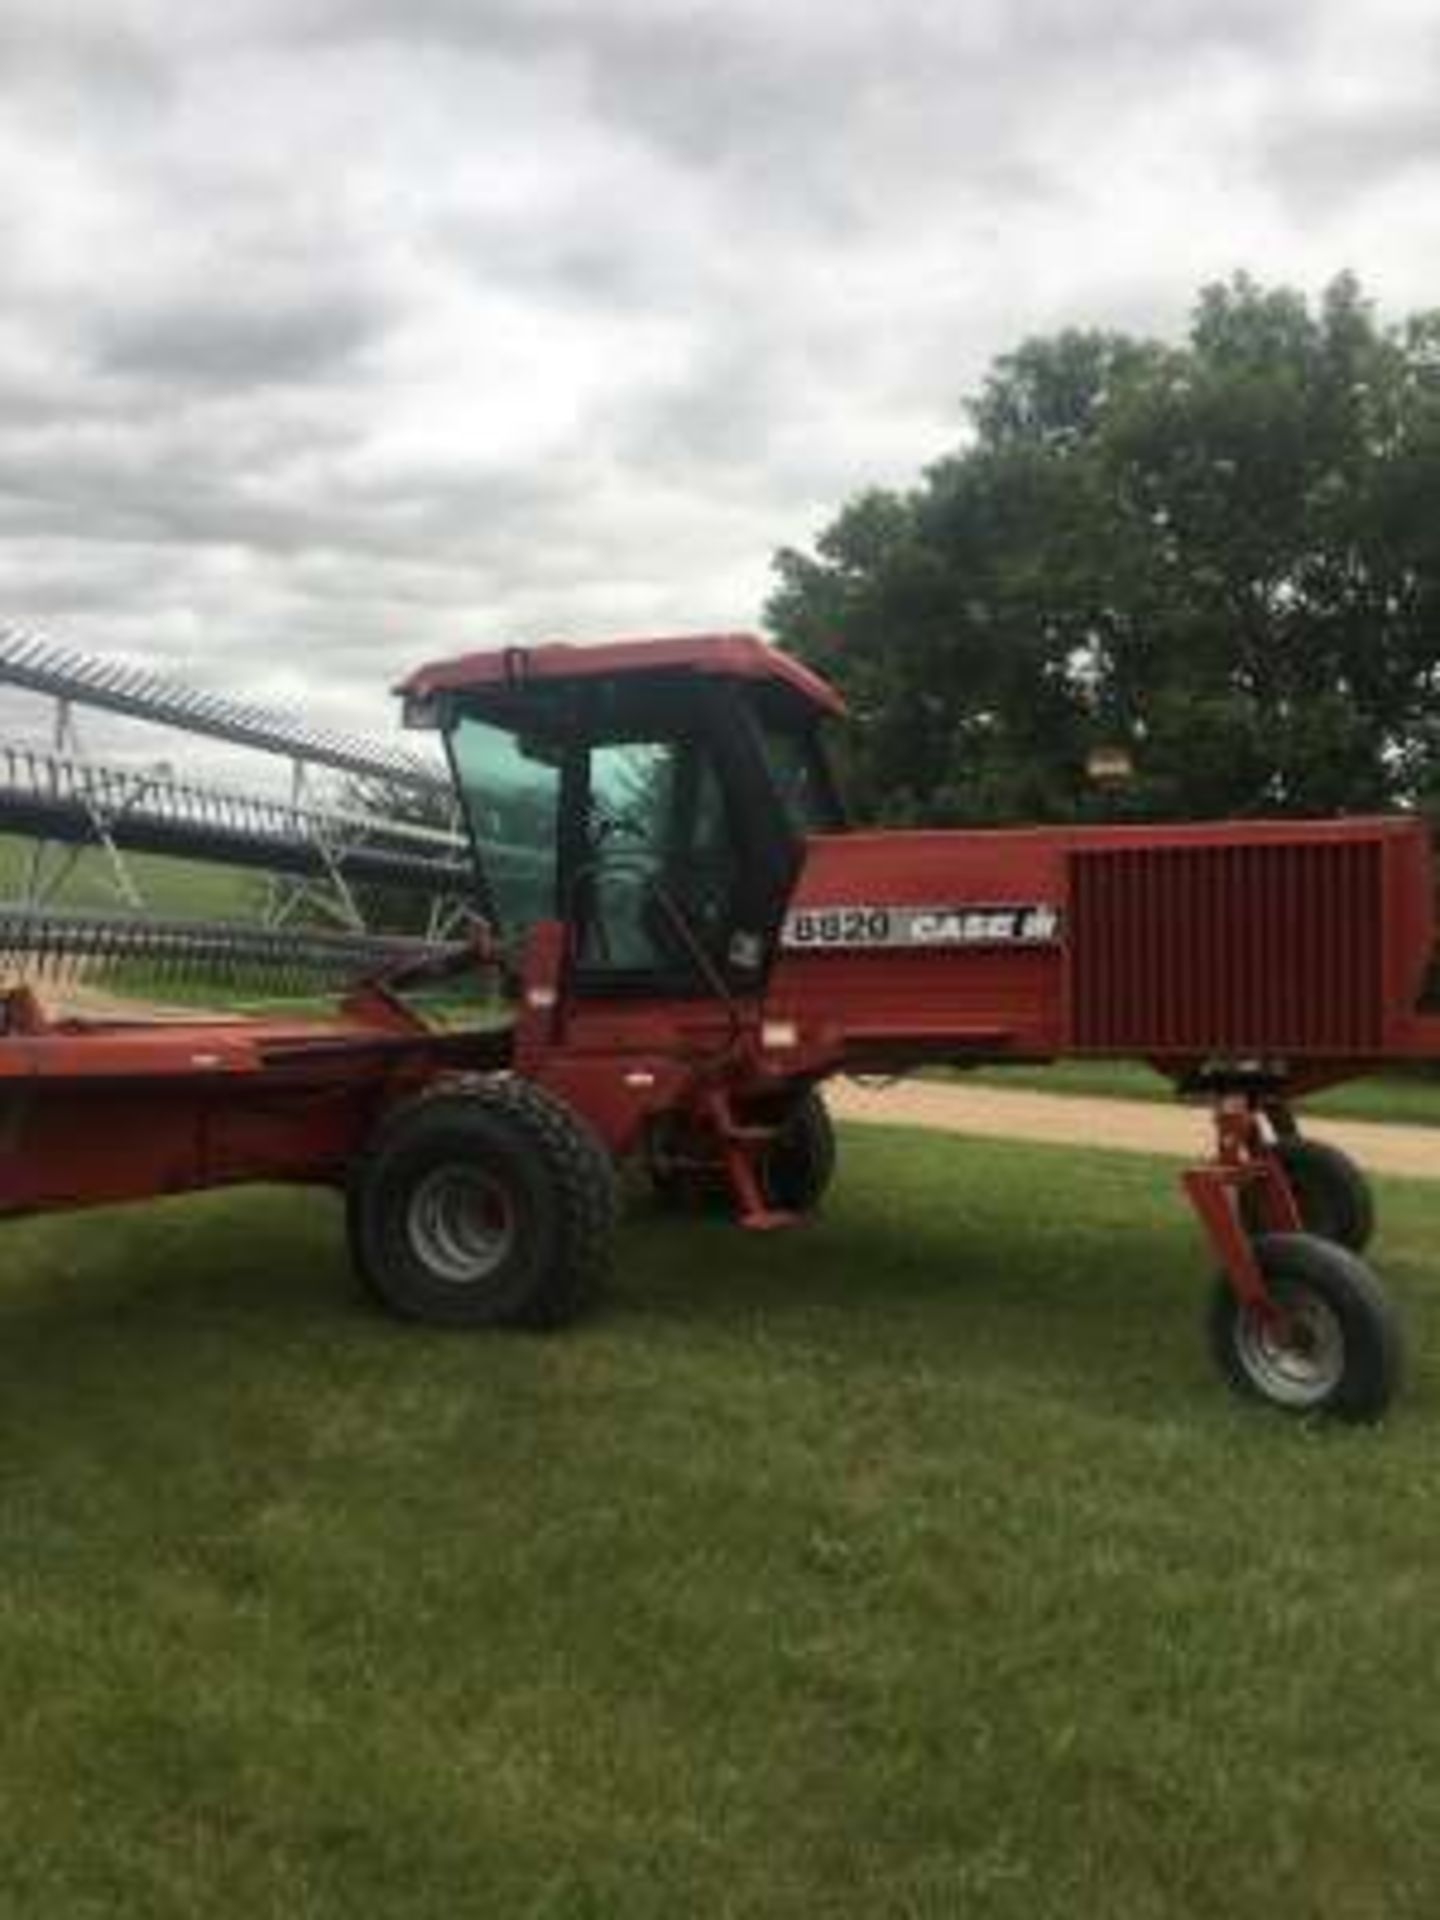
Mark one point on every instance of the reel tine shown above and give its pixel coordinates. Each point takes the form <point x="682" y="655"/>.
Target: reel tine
<point x="71" y="946"/>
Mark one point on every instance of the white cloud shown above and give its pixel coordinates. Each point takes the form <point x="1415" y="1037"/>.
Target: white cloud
<point x="339" y="332"/>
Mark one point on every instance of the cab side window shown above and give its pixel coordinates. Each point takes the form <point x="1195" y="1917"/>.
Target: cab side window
<point x="660" y="847"/>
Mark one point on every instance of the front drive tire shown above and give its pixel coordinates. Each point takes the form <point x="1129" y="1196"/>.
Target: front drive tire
<point x="1339" y="1352"/>
<point x="491" y="1205"/>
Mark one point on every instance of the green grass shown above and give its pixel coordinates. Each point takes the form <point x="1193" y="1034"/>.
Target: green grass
<point x="1397" y="1098"/>
<point x="913" y="1564"/>
<point x="188" y="889"/>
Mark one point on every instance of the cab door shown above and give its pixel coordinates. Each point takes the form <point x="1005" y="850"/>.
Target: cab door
<point x="645" y="813"/>
<point x="679" y="859"/>
<point x="662" y="894"/>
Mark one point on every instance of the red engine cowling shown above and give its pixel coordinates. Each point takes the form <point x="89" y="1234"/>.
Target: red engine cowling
<point x="1275" y="940"/>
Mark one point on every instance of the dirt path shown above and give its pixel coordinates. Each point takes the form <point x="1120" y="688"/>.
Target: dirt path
<point x="1123" y="1126"/>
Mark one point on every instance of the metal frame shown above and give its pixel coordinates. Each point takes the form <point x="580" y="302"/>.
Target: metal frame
<point x="314" y="852"/>
<point x="40" y="665"/>
<point x="75" y="803"/>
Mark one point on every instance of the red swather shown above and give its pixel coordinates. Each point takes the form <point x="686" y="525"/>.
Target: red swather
<point x="704" y="944"/>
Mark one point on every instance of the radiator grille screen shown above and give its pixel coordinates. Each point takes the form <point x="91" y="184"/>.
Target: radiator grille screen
<point x="1266" y="949"/>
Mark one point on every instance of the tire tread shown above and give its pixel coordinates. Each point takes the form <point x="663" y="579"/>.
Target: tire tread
<point x="579" y="1170"/>
<point x="1374" y="1339"/>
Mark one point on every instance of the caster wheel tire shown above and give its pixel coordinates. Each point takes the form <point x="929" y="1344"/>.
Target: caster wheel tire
<point x="799" y="1164"/>
<point x="1334" y="1197"/>
<point x="794" y="1171"/>
<point x="1336" y="1349"/>
<point x="491" y="1205"/>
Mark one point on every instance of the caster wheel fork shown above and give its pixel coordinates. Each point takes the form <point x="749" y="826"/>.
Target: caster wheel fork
<point x="1297" y="1320"/>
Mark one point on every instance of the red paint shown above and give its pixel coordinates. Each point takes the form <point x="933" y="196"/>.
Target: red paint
<point x="92" y="1114"/>
<point x="1301" y="940"/>
<point x="734" y="656"/>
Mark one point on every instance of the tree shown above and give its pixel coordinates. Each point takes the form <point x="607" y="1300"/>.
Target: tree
<point x="1222" y="555"/>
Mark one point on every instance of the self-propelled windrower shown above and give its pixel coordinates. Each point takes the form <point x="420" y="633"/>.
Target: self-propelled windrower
<point x="691" y="941"/>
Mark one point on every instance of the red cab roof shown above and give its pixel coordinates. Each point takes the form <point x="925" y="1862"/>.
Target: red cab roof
<point x="741" y="656"/>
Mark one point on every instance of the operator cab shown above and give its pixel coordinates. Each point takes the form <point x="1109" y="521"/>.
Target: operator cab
<point x="654" y="796"/>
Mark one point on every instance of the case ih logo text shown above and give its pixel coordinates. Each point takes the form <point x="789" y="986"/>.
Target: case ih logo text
<point x="1036" y="924"/>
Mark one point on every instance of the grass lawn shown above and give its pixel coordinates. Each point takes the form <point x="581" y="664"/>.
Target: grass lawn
<point x="189" y="889"/>
<point x="914" y="1564"/>
<point x="1398" y="1098"/>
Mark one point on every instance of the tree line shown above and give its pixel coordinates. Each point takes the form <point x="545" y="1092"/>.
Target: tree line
<point x="1216" y="563"/>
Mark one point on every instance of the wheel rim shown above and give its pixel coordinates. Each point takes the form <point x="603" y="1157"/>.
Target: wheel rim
<point x="461" y="1224"/>
<point x="1297" y="1356"/>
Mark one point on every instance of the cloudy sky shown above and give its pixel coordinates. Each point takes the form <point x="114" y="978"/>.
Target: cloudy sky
<point x="337" y="334"/>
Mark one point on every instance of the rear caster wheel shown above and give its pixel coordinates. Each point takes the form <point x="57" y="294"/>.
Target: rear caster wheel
<point x="794" y="1170"/>
<point x="799" y="1163"/>
<point x="1333" y="1195"/>
<point x="1335" y="1346"/>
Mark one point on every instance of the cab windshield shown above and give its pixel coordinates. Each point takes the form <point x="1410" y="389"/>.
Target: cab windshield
<point x="511" y="790"/>
<point x="799" y="768"/>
